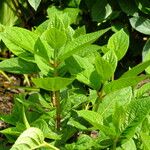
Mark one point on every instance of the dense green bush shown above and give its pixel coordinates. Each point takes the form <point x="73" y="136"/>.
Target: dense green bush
<point x="78" y="53"/>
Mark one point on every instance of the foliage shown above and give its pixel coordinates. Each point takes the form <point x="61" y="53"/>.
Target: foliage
<point x="84" y="101"/>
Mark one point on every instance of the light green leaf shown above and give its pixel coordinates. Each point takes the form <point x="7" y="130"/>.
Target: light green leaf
<point x="43" y="126"/>
<point x="121" y="97"/>
<point x="34" y="3"/>
<point x="141" y="24"/>
<point x="103" y="68"/>
<point x="142" y="90"/>
<point x="8" y="16"/>
<point x="111" y="58"/>
<point x="55" y="38"/>
<point x="84" y="71"/>
<point x="79" y="31"/>
<point x="19" y="37"/>
<point x="93" y="117"/>
<point x="146" y="141"/>
<point x="75" y="45"/>
<point x="119" y="42"/>
<point x="19" y="66"/>
<point x="136" y="70"/>
<point x="130" y="144"/>
<point x="31" y="138"/>
<point x="53" y="83"/>
<point x="136" y="112"/>
<point x="43" y="55"/>
<point x="146" y="54"/>
<point x="122" y="83"/>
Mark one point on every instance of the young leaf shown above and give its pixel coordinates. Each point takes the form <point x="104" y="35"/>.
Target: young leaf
<point x="122" y="83"/>
<point x="52" y="84"/>
<point x="19" y="66"/>
<point x="111" y="58"/>
<point x="19" y="37"/>
<point x="34" y="3"/>
<point x="141" y="24"/>
<point x="43" y="55"/>
<point x="55" y="38"/>
<point x="136" y="70"/>
<point x="119" y="42"/>
<point x="31" y="138"/>
<point x="103" y="68"/>
<point x="75" y="45"/>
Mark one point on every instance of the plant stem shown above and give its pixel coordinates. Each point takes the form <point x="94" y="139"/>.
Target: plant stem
<point x="56" y="103"/>
<point x="114" y="144"/>
<point x="98" y="100"/>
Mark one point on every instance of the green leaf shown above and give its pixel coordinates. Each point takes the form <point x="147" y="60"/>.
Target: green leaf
<point x="84" y="71"/>
<point x="79" y="31"/>
<point x="19" y="37"/>
<point x="121" y="97"/>
<point x="55" y="38"/>
<point x="43" y="126"/>
<point x="122" y="83"/>
<point x="144" y="6"/>
<point x="146" y="141"/>
<point x="101" y="65"/>
<point x="136" y="70"/>
<point x="19" y="66"/>
<point x="75" y="45"/>
<point x="119" y="42"/>
<point x="43" y="55"/>
<point x="101" y="10"/>
<point x="141" y="24"/>
<point x="53" y="83"/>
<point x="146" y="54"/>
<point x="142" y="90"/>
<point x="111" y="58"/>
<point x="136" y="112"/>
<point x="130" y="144"/>
<point x="92" y="117"/>
<point x="129" y="7"/>
<point x="8" y="16"/>
<point x="31" y="138"/>
<point x="34" y="3"/>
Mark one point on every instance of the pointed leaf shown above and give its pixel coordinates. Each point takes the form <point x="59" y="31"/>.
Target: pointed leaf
<point x="43" y="55"/>
<point x="19" y="66"/>
<point x="135" y="114"/>
<point x="34" y="3"/>
<point x="19" y="37"/>
<point x="75" y="45"/>
<point x="121" y="97"/>
<point x="141" y="24"/>
<point x="103" y="68"/>
<point x="119" y="42"/>
<point x="136" y="70"/>
<point x="111" y="58"/>
<point x="29" y="139"/>
<point x="55" y="38"/>
<point x="52" y="84"/>
<point x="122" y="83"/>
